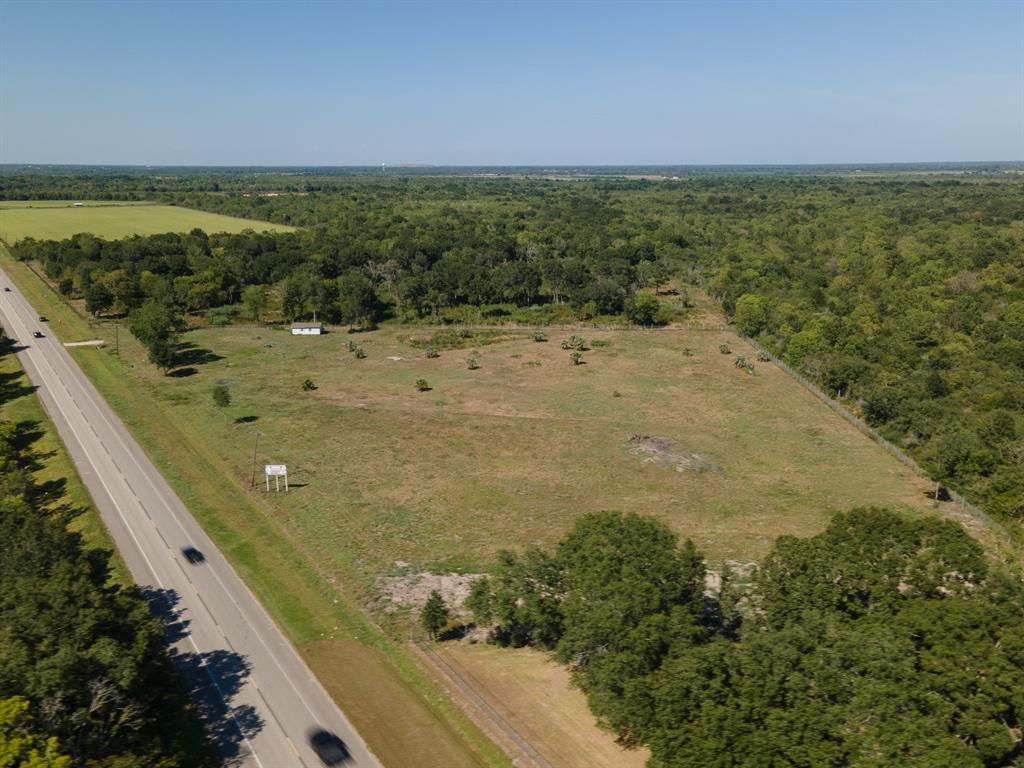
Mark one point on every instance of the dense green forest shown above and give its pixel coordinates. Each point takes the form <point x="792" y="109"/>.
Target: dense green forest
<point x="882" y="641"/>
<point x="85" y="679"/>
<point x="903" y="296"/>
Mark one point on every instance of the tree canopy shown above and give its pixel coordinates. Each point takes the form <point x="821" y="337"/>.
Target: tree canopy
<point x="884" y="640"/>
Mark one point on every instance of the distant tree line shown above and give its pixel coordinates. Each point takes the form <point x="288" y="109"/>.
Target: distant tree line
<point x="886" y="640"/>
<point x="85" y="678"/>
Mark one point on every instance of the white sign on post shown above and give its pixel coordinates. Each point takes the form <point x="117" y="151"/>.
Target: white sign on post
<point x="277" y="471"/>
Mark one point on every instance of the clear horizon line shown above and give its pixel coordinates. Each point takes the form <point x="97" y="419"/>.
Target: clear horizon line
<point x="414" y="165"/>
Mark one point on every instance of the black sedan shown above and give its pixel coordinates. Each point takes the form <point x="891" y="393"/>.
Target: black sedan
<point x="193" y="555"/>
<point x="328" y="747"/>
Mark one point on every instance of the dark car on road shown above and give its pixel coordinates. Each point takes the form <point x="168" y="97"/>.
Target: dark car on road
<point x="328" y="747"/>
<point x="42" y="319"/>
<point x="37" y="334"/>
<point x="7" y="288"/>
<point x="193" y="555"/>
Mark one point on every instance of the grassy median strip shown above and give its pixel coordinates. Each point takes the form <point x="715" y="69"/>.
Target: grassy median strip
<point x="404" y="718"/>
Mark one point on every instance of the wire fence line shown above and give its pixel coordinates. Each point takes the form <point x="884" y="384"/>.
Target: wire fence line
<point x="860" y="424"/>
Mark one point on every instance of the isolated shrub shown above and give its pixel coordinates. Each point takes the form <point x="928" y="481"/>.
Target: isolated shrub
<point x="221" y="396"/>
<point x="740" y="361"/>
<point x="687" y="352"/>
<point x="464" y="333"/>
<point x="576" y="358"/>
<point x="762" y="357"/>
<point x="432" y="352"/>
<point x="422" y="386"/>
<point x="472" y="363"/>
<point x="308" y="385"/>
<point x="574" y="342"/>
<point x="724" y="349"/>
<point x="360" y="354"/>
<point x="434" y="615"/>
<point x="540" y="336"/>
<point x="351" y="346"/>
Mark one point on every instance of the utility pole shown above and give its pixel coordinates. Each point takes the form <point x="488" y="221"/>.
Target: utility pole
<point x="255" y="445"/>
<point x="117" y="340"/>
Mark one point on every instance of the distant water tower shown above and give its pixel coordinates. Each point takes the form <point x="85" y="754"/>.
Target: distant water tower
<point x="382" y="169"/>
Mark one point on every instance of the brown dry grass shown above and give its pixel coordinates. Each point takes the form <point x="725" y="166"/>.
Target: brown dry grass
<point x="532" y="694"/>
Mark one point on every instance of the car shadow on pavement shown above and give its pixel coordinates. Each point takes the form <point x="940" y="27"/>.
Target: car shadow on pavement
<point x="212" y="679"/>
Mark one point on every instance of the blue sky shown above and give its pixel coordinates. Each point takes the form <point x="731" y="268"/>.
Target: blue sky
<point x="526" y="83"/>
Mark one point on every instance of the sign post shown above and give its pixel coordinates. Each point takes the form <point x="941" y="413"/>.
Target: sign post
<point x="277" y="471"/>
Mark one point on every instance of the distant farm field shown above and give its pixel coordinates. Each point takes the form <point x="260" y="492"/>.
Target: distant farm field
<point x="57" y="220"/>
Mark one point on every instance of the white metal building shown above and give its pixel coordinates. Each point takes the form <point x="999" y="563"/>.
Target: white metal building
<point x="307" y="329"/>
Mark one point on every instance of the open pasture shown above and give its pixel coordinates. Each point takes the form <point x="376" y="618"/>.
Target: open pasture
<point x="56" y="220"/>
<point x="509" y="454"/>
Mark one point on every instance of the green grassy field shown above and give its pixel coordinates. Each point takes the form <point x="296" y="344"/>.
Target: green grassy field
<point x="55" y="220"/>
<point x="512" y="453"/>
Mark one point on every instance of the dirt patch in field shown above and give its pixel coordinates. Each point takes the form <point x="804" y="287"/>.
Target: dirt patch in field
<point x="412" y="590"/>
<point x="661" y="450"/>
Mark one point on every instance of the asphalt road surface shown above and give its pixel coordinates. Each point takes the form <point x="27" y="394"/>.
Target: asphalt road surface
<point x="258" y="697"/>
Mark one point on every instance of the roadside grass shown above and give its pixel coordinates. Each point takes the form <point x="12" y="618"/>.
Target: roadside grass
<point x="401" y="712"/>
<point x="114" y="221"/>
<point x="21" y="406"/>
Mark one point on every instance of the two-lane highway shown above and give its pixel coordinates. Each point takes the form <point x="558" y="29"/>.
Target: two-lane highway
<point x="241" y="666"/>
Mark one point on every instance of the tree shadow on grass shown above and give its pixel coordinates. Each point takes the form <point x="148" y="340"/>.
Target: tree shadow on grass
<point x="181" y="373"/>
<point x="188" y="353"/>
<point x="26" y="433"/>
<point x="14" y="385"/>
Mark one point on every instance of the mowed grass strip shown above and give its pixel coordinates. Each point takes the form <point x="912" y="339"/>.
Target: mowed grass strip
<point x="47" y="222"/>
<point x="396" y="707"/>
